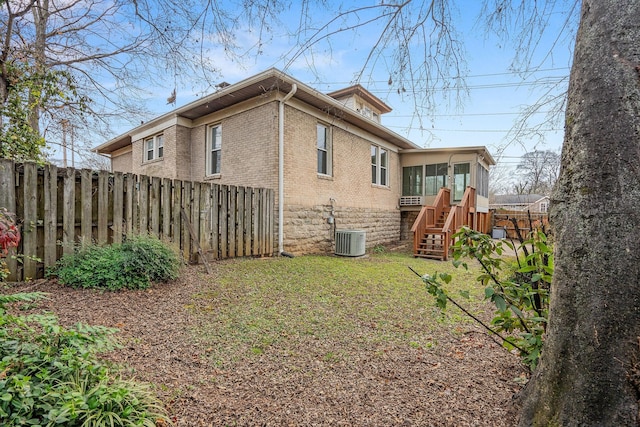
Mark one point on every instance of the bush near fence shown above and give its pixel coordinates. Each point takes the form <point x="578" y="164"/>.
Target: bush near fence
<point x="59" y="208"/>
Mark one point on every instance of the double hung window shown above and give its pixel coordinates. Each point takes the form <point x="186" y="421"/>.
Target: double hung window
<point x="323" y="145"/>
<point x="214" y="149"/>
<point x="379" y="166"/>
<point x="154" y="148"/>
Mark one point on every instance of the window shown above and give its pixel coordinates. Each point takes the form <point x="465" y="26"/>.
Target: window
<point x="323" y="144"/>
<point x="435" y="177"/>
<point x="154" y="147"/>
<point x="412" y="181"/>
<point x="461" y="179"/>
<point x="379" y="165"/>
<point x="482" y="181"/>
<point x="544" y="207"/>
<point x="214" y="149"/>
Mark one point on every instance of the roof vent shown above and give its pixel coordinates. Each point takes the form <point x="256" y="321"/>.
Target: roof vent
<point x="350" y="242"/>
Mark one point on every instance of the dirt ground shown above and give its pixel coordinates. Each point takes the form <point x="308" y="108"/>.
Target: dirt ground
<point x="466" y="380"/>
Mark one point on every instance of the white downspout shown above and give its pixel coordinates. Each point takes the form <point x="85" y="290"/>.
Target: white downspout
<point x="294" y="88"/>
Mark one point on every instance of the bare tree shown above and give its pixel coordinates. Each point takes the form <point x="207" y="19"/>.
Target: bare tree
<point x="110" y="52"/>
<point x="538" y="172"/>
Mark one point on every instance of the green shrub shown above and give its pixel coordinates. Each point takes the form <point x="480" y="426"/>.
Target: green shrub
<point x="519" y="292"/>
<point x="133" y="264"/>
<point x="50" y="375"/>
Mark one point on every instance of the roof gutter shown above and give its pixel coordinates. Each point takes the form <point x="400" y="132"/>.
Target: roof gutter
<point x="288" y="96"/>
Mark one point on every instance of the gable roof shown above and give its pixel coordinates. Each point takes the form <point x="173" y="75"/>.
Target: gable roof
<point x="259" y="85"/>
<point x="362" y="93"/>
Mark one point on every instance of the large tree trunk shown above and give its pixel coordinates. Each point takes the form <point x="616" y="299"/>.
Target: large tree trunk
<point x="590" y="369"/>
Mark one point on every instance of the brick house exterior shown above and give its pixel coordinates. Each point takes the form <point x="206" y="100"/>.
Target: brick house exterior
<point x="339" y="168"/>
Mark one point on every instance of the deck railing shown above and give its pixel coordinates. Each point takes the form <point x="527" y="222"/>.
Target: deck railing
<point x="458" y="216"/>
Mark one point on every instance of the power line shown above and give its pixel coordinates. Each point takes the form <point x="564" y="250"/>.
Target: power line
<point x="506" y="73"/>
<point x="464" y="114"/>
<point x="468" y="130"/>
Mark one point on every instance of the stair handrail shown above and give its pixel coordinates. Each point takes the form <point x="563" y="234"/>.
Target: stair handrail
<point x="460" y="213"/>
<point x="427" y="216"/>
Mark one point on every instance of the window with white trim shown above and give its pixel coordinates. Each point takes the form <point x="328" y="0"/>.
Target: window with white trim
<point x="379" y="166"/>
<point x="154" y="148"/>
<point x="214" y="149"/>
<point x="323" y="146"/>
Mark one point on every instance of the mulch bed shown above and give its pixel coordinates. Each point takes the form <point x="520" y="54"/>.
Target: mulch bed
<point x="465" y="380"/>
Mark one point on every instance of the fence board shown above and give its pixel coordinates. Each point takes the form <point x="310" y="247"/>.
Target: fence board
<point x="231" y="237"/>
<point x="30" y="217"/>
<point x="194" y="214"/>
<point x="205" y="215"/>
<point x="240" y="221"/>
<point x="118" y="207"/>
<point x="86" y="193"/>
<point x="64" y="204"/>
<point x="69" y="211"/>
<point x="166" y="208"/>
<point x="143" y="203"/>
<point x="154" y="206"/>
<point x="255" y="215"/>
<point x="186" y="236"/>
<point x="215" y="220"/>
<point x="224" y="232"/>
<point x="271" y="200"/>
<point x="103" y="207"/>
<point x="129" y="186"/>
<point x="50" y="218"/>
<point x="177" y="204"/>
<point x="8" y="201"/>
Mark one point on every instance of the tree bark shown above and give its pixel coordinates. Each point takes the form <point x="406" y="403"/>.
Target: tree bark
<point x="589" y="373"/>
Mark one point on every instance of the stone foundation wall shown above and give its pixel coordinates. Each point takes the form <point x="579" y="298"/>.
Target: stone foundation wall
<point x="307" y="230"/>
<point x="406" y="222"/>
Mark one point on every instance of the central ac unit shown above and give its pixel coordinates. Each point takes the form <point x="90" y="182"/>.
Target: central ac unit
<point x="350" y="242"/>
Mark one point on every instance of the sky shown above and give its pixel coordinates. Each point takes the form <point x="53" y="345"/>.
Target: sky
<point x="495" y="98"/>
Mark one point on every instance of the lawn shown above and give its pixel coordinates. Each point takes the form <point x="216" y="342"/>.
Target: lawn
<point x="313" y="340"/>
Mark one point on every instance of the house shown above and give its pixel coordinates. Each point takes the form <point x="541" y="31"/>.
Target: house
<point x="333" y="164"/>
<point x="521" y="202"/>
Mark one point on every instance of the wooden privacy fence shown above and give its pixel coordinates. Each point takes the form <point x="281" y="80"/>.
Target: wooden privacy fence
<point x="504" y="220"/>
<point x="60" y="208"/>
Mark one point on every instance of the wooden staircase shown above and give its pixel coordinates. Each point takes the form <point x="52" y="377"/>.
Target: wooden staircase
<point x="435" y="225"/>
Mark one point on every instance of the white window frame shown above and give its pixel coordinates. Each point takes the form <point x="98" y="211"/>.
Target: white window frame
<point x="327" y="149"/>
<point x="153" y="147"/>
<point x="215" y="129"/>
<point x="379" y="166"/>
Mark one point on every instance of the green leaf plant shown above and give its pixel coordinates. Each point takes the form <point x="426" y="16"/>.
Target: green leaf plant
<point x="518" y="288"/>
<point x="52" y="376"/>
